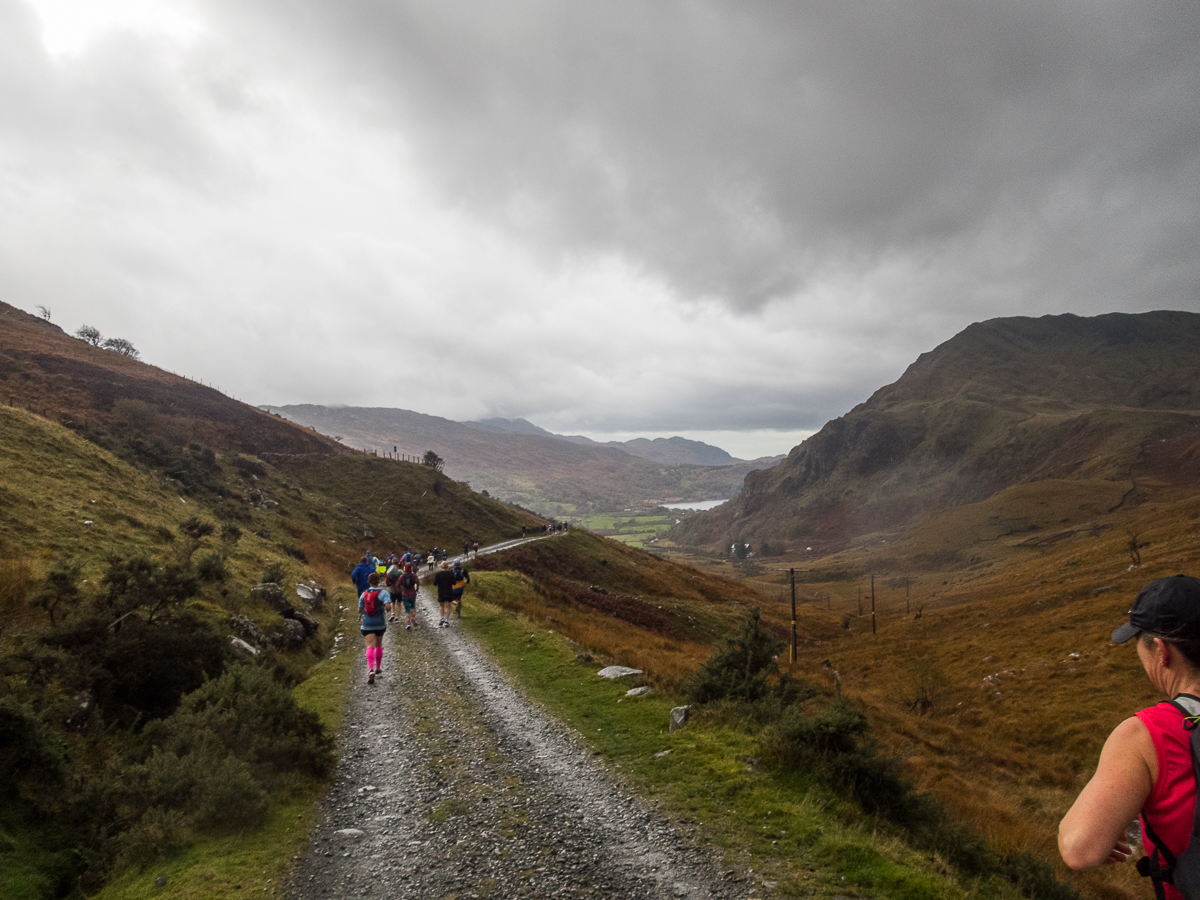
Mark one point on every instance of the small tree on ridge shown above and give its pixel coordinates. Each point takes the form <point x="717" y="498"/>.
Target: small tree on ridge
<point x="90" y="335"/>
<point x="122" y="346"/>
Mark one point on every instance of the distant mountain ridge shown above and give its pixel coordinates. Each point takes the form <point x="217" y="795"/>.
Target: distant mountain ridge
<point x="516" y="461"/>
<point x="1005" y="402"/>
<point x="510" y="426"/>
<point x="674" y="451"/>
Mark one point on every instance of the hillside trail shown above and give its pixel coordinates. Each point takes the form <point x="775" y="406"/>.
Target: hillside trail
<point x="452" y="785"/>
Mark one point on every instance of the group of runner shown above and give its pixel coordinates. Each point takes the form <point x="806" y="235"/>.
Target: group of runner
<point x="382" y="584"/>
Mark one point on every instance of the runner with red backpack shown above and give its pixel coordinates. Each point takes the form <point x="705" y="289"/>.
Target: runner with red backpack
<point x="407" y="584"/>
<point x="373" y="605"/>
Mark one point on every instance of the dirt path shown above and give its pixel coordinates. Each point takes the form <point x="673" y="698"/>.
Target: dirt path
<point x="451" y="785"/>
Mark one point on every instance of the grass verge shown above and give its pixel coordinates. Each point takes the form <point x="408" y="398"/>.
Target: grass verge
<point x="791" y="834"/>
<point x="253" y="864"/>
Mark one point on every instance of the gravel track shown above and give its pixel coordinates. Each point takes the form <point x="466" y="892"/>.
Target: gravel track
<point x="452" y="785"/>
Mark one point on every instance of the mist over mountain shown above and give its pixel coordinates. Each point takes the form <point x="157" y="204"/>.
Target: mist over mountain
<point x="1005" y="402"/>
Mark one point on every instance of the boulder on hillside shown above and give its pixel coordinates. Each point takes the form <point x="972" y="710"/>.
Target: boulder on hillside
<point x="247" y="650"/>
<point x="307" y="619"/>
<point x="312" y="593"/>
<point x="618" y="672"/>
<point x="248" y="631"/>
<point x="271" y="594"/>
<point x="293" y="633"/>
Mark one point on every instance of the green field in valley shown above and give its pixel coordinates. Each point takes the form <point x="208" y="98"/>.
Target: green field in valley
<point x="637" y="527"/>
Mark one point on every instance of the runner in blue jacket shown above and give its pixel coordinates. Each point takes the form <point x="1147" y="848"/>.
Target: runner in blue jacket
<point x="360" y="572"/>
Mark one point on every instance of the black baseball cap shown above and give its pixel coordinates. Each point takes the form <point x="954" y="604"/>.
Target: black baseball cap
<point x="1169" y="607"/>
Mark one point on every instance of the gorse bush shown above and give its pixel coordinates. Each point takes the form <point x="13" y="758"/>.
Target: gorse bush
<point x="208" y="768"/>
<point x="129" y="737"/>
<point x="256" y="719"/>
<point x="275" y="573"/>
<point x="741" y="669"/>
<point x="138" y="583"/>
<point x="58" y="593"/>
<point x="211" y="568"/>
<point x="32" y="756"/>
<point x="165" y="802"/>
<point x="194" y="530"/>
<point x="136" y="670"/>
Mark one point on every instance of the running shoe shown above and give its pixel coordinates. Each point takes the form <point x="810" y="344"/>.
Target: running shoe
<point x="371" y="678"/>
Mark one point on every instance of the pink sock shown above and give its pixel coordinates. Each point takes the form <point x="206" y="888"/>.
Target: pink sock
<point x="370" y="658"/>
<point x="379" y="657"/>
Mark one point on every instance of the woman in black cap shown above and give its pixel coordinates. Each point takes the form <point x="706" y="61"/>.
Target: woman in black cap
<point x="1146" y="765"/>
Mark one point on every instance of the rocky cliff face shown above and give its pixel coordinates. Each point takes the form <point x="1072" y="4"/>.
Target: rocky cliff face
<point x="1005" y="402"/>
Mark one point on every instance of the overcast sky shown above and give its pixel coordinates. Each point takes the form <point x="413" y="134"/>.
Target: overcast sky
<point x="727" y="220"/>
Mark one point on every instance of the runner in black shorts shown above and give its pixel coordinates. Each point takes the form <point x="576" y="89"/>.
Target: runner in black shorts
<point x="374" y="624"/>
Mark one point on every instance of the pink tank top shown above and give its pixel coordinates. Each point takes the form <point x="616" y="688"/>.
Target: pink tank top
<point x="1172" y="801"/>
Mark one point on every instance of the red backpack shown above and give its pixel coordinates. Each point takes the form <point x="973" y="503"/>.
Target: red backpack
<point x="371" y="601"/>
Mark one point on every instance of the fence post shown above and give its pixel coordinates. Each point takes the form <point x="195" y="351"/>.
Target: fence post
<point x="793" y="575"/>
<point x="872" y="604"/>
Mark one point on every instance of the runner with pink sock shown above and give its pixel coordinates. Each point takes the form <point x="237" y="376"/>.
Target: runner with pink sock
<point x="374" y="604"/>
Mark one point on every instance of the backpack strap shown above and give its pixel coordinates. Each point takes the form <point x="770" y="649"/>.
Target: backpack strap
<point x="1152" y="866"/>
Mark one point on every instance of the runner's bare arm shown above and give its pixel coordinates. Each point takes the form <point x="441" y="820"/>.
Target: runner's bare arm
<point x="1093" y="830"/>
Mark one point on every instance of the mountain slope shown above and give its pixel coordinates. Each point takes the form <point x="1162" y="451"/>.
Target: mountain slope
<point x="1005" y="402"/>
<point x="160" y="422"/>
<point x="68" y="380"/>
<point x="540" y="471"/>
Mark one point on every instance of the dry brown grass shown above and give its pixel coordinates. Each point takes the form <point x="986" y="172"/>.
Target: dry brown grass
<point x="667" y="661"/>
<point x="648" y="613"/>
<point x="1024" y="590"/>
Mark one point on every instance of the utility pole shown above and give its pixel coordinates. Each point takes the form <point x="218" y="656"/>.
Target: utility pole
<point x="792" y="572"/>
<point x="872" y="604"/>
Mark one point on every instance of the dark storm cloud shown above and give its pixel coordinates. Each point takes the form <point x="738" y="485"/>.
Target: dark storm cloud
<point x="741" y="149"/>
<point x="671" y="216"/>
